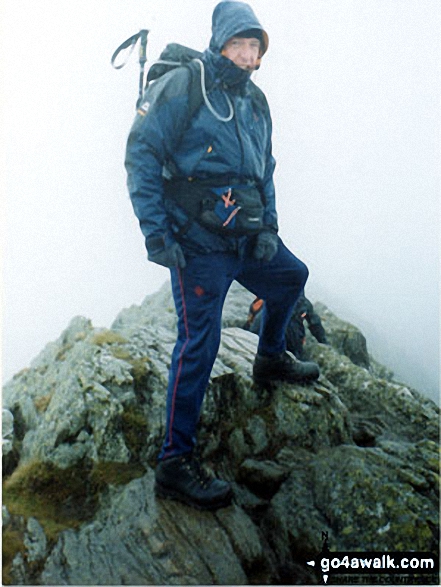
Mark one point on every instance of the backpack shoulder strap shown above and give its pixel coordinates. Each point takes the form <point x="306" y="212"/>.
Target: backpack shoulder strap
<point x="195" y="96"/>
<point x="195" y="100"/>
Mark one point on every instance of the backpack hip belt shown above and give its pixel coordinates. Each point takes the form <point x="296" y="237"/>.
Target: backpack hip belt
<point x="225" y="207"/>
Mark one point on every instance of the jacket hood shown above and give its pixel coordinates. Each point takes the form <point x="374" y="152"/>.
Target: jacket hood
<point x="230" y="18"/>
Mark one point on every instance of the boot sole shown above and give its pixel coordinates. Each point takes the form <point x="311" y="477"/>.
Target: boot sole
<point x="167" y="493"/>
<point x="269" y="382"/>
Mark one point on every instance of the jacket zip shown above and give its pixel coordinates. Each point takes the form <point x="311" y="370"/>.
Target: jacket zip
<point x="239" y="136"/>
<point x="206" y="151"/>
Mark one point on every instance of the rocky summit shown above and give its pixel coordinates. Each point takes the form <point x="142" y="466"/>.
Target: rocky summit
<point x="349" y="463"/>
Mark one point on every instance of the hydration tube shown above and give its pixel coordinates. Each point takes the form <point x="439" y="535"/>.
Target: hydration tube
<point x="207" y="101"/>
<point x="204" y="89"/>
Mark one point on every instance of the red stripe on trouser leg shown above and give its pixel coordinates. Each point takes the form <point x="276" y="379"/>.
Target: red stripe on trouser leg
<point x="178" y="374"/>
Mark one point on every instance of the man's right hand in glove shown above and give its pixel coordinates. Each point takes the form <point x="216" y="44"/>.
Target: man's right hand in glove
<point x="165" y="251"/>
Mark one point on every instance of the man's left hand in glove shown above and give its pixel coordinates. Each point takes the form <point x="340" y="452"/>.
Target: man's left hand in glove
<point x="267" y="244"/>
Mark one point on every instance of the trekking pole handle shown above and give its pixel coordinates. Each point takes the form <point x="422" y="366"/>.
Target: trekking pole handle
<point x="143" y="46"/>
<point x="142" y="59"/>
<point x="130" y="43"/>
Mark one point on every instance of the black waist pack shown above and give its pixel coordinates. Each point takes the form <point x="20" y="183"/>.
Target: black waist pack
<point x="235" y="210"/>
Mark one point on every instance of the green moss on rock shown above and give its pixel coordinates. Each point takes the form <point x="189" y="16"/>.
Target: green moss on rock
<point x="58" y="498"/>
<point x="12" y="544"/>
<point x="104" y="474"/>
<point x="107" y="337"/>
<point x="42" y="403"/>
<point x="141" y="369"/>
<point x="135" y="429"/>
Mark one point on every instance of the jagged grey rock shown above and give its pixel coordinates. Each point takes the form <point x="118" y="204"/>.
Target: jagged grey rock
<point x="9" y="443"/>
<point x="35" y="541"/>
<point x="344" y="337"/>
<point x="19" y="571"/>
<point x="142" y="541"/>
<point x="353" y="454"/>
<point x="7" y="432"/>
<point x="5" y="516"/>
<point x="360" y="496"/>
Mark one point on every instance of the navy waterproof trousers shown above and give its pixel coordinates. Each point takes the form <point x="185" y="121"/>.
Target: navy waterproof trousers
<point x="199" y="293"/>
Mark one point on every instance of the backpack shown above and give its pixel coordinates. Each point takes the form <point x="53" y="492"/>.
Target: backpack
<point x="175" y="55"/>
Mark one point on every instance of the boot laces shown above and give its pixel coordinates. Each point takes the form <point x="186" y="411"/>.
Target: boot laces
<point x="194" y="466"/>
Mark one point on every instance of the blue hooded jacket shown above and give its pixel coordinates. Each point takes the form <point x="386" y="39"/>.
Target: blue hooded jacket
<point x="161" y="139"/>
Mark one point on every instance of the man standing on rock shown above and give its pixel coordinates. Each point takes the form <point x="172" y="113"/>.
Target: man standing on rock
<point x="204" y="195"/>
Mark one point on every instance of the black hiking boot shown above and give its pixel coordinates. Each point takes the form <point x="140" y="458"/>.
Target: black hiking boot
<point x="283" y="367"/>
<point x="182" y="478"/>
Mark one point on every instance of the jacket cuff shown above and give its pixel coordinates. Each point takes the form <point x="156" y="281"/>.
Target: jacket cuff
<point x="155" y="244"/>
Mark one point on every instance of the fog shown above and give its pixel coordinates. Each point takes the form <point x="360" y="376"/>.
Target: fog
<point x="354" y="93"/>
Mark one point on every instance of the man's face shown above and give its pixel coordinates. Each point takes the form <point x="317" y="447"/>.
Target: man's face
<point x="243" y="52"/>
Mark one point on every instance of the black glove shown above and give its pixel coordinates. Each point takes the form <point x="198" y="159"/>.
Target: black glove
<point x="165" y="252"/>
<point x="267" y="243"/>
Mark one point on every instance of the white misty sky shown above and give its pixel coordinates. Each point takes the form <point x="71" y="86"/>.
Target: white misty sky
<point x="354" y="92"/>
